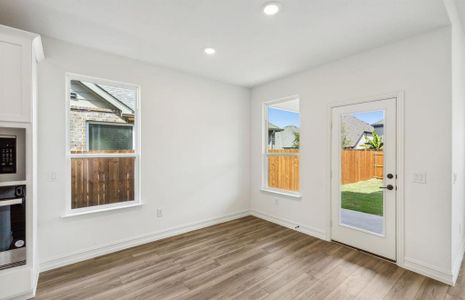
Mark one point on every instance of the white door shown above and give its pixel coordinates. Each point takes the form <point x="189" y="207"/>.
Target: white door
<point x="363" y="183"/>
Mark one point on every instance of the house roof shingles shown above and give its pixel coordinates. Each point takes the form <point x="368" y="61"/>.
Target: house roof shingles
<point x="354" y="129"/>
<point x="273" y="127"/>
<point x="124" y="95"/>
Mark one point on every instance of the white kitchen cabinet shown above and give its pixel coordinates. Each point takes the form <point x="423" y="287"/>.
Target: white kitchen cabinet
<point x="20" y="52"/>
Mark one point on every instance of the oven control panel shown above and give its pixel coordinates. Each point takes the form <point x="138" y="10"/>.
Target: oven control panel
<point x="7" y="155"/>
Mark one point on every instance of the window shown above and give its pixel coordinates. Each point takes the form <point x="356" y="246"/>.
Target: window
<point x="281" y="149"/>
<point x="102" y="144"/>
<point x="102" y="136"/>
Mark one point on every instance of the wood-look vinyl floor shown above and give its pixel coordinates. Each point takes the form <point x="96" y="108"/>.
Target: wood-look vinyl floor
<point x="248" y="258"/>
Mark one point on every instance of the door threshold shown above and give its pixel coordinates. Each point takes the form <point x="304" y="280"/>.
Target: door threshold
<point x="364" y="251"/>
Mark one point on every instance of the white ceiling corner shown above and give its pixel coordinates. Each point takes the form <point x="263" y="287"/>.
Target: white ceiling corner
<point x="251" y="48"/>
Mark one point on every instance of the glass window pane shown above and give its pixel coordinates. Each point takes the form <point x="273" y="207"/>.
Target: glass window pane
<point x="110" y="137"/>
<point x="283" y="143"/>
<point x="362" y="169"/>
<point x="107" y="105"/>
<point x="98" y="181"/>
<point x="284" y="125"/>
<point x="283" y="171"/>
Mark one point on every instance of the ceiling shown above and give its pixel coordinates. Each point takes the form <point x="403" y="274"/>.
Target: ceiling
<point x="252" y="48"/>
<point x="291" y="105"/>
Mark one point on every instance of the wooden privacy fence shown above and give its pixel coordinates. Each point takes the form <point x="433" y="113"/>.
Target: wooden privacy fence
<point x="356" y="165"/>
<point x="359" y="165"/>
<point x="101" y="180"/>
<point x="283" y="170"/>
<point x="106" y="180"/>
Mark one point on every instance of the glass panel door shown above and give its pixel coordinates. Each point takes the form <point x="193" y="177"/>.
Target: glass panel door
<point x="362" y="169"/>
<point x="363" y="181"/>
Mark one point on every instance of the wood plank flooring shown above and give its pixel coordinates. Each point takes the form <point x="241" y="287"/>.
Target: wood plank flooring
<point x="248" y="258"/>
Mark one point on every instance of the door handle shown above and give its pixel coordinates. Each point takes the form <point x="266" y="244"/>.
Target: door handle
<point x="388" y="187"/>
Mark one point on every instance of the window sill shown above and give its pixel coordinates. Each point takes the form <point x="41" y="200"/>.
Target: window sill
<point x="110" y="207"/>
<point x="282" y="193"/>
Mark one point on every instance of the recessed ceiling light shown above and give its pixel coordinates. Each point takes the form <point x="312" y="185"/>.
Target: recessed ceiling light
<point x="271" y="8"/>
<point x="209" y="51"/>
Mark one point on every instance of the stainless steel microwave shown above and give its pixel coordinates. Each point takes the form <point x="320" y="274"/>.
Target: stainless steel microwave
<point x="12" y="154"/>
<point x="8" y="154"/>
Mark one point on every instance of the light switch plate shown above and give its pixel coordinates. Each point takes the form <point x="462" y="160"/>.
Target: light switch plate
<point x="419" y="177"/>
<point x="52" y="176"/>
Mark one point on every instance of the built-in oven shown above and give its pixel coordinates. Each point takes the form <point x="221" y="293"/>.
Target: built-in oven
<point x="12" y="226"/>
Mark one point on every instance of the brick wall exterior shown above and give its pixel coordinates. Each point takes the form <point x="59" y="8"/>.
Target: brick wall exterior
<point x="78" y="125"/>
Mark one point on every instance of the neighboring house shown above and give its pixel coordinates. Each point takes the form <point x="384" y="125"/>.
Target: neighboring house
<point x="101" y="117"/>
<point x="282" y="138"/>
<point x="379" y="127"/>
<point x="272" y="130"/>
<point x="355" y="133"/>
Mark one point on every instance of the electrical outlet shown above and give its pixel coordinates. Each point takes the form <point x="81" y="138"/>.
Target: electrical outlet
<point x="419" y="177"/>
<point x="276" y="201"/>
<point x="159" y="213"/>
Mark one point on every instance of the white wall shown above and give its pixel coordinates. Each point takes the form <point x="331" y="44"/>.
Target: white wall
<point x="195" y="153"/>
<point x="198" y="135"/>
<point x="419" y="66"/>
<point x="458" y="135"/>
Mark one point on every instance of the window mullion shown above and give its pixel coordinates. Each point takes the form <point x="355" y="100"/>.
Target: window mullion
<point x="102" y="155"/>
<point x="282" y="154"/>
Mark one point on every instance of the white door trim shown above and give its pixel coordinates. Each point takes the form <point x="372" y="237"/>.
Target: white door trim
<point x="399" y="96"/>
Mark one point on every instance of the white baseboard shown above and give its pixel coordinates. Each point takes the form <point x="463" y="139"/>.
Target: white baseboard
<point x="409" y="263"/>
<point x="82" y="255"/>
<point x="315" y="232"/>
<point x="22" y="297"/>
<point x="428" y="270"/>
<point x="34" y="284"/>
<point x="458" y="263"/>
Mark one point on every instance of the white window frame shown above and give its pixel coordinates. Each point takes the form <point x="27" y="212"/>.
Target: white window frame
<point x="266" y="154"/>
<point x="136" y="155"/>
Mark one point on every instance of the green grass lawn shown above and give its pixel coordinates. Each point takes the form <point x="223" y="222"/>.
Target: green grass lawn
<point x="363" y="196"/>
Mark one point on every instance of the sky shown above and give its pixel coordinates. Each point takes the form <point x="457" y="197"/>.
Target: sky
<point x="283" y="118"/>
<point x="369" y="117"/>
